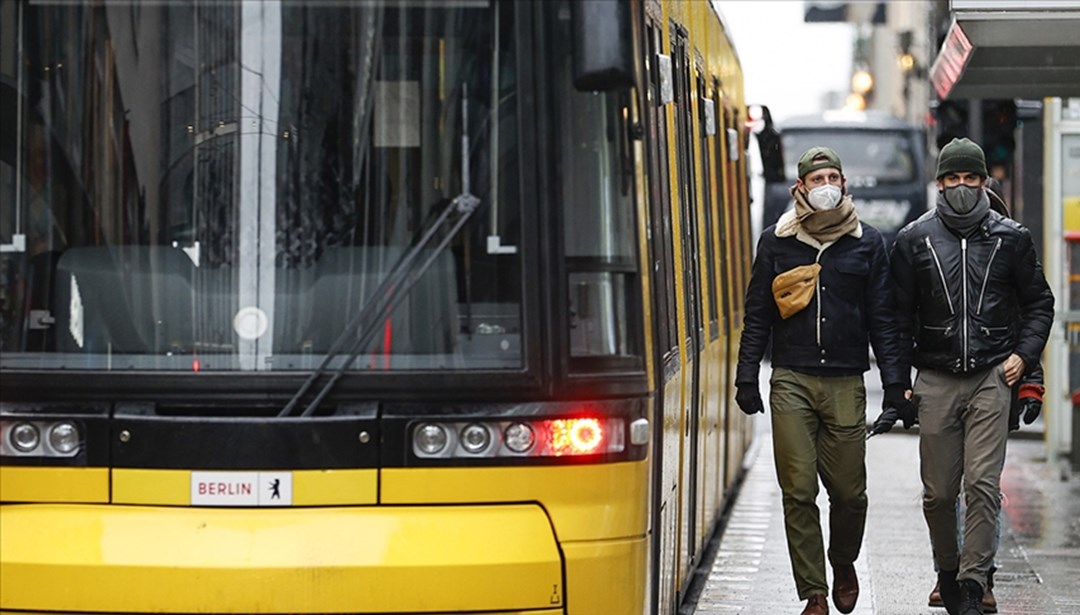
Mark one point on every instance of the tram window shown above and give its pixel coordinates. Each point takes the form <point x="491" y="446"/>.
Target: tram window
<point x="687" y="174"/>
<point x="707" y="190"/>
<point x="722" y="222"/>
<point x="596" y="176"/>
<point x="233" y="190"/>
<point x="662" y="244"/>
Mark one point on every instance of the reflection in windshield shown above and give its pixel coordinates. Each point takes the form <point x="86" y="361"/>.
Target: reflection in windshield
<point x="223" y="186"/>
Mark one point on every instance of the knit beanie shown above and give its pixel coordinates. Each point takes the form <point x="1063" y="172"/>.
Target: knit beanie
<point x="961" y="155"/>
<point x="818" y="158"/>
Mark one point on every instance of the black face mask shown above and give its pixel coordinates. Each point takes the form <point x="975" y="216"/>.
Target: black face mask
<point x="962" y="198"/>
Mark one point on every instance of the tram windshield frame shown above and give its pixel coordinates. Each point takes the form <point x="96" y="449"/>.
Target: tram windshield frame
<point x="221" y="189"/>
<point x="207" y="191"/>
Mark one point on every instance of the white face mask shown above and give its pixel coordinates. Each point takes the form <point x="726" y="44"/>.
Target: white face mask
<point x="824" y="197"/>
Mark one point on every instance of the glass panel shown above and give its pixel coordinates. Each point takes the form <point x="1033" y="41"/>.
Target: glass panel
<point x="870" y="157"/>
<point x="596" y="175"/>
<point x="224" y="186"/>
<point x="1070" y="196"/>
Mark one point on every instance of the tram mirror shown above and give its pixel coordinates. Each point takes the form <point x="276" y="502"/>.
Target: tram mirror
<point x="768" y="137"/>
<point x="603" y="46"/>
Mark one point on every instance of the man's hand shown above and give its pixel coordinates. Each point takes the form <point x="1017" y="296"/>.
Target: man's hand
<point x="1031" y="410"/>
<point x="885" y="421"/>
<point x="749" y="399"/>
<point x="899" y="399"/>
<point x="1031" y="401"/>
<point x="1014" y="368"/>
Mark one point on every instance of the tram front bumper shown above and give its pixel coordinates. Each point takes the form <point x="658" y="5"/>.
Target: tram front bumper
<point x="431" y="559"/>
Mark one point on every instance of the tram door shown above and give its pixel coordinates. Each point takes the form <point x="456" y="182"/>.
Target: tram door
<point x="694" y="341"/>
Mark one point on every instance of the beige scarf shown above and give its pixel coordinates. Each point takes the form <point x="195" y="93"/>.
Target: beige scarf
<point x="825" y="225"/>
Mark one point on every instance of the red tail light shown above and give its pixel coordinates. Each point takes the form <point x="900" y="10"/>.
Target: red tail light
<point x="522" y="438"/>
<point x="575" y="436"/>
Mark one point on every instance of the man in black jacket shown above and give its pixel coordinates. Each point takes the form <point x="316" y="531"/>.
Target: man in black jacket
<point x="975" y="312"/>
<point x="838" y="299"/>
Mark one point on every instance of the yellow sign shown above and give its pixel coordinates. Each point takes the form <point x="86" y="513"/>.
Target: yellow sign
<point x="1071" y="213"/>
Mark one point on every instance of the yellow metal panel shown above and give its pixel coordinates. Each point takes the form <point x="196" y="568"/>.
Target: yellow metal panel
<point x="556" y="611"/>
<point x="335" y="487"/>
<point x="585" y="502"/>
<point x="529" y="612"/>
<point x="159" y="487"/>
<point x="186" y="560"/>
<point x="45" y="484"/>
<point x="310" y="487"/>
<point x="605" y="577"/>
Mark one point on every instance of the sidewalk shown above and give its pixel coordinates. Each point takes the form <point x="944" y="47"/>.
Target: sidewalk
<point x="1039" y="557"/>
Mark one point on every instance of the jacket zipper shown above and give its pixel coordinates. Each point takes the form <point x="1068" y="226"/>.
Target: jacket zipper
<point x="817" y="323"/>
<point x="964" y="276"/>
<point x="986" y="276"/>
<point x="941" y="273"/>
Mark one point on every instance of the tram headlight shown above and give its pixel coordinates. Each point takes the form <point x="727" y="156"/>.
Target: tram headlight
<point x="24" y="437"/>
<point x="430" y="439"/>
<point x="519" y="437"/>
<point x="64" y="438"/>
<point x="475" y="438"/>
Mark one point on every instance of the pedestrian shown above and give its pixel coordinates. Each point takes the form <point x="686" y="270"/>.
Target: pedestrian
<point x="820" y="292"/>
<point x="1027" y="398"/>
<point x="974" y="311"/>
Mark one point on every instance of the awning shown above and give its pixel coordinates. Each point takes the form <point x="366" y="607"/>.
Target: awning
<point x="1003" y="49"/>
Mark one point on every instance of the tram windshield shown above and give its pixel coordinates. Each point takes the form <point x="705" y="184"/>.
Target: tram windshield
<point x="224" y="186"/>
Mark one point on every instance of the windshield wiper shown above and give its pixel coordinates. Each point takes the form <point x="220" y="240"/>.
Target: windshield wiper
<point x="405" y="273"/>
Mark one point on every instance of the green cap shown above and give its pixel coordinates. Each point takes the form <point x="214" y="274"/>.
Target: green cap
<point x="961" y="155"/>
<point x="818" y="158"/>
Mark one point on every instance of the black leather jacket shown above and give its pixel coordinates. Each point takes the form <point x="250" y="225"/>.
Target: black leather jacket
<point x="853" y="305"/>
<point x="966" y="304"/>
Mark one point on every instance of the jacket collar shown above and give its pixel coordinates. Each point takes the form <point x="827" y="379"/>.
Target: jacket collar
<point x="788" y="226"/>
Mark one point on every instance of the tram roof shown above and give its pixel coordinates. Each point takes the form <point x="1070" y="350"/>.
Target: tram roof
<point x="1010" y="49"/>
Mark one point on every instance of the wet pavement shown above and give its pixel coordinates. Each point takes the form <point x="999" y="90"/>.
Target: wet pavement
<point x="1038" y="560"/>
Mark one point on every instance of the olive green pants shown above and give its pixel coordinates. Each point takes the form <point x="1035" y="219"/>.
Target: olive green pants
<point x="819" y="429"/>
<point x="963" y="426"/>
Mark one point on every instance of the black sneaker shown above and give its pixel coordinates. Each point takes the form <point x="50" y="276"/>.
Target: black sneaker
<point x="950" y="591"/>
<point x="971" y="595"/>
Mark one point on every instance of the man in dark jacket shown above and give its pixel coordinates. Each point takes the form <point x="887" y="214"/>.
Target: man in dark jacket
<point x="819" y="327"/>
<point x="975" y="312"/>
<point x="1027" y="399"/>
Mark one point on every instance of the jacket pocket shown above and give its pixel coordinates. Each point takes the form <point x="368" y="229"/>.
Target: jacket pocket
<point x="851" y="279"/>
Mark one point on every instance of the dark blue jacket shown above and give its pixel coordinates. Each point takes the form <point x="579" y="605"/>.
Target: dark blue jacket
<point x="853" y="305"/>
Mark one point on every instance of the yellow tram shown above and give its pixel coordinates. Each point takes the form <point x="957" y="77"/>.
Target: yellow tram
<point x="373" y="306"/>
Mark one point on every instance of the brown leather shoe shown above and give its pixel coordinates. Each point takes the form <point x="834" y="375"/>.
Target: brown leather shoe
<point x="989" y="602"/>
<point x="935" y="597"/>
<point x="845" y="591"/>
<point x="816" y="605"/>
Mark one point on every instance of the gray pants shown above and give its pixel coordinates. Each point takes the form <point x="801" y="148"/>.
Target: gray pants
<point x="963" y="426"/>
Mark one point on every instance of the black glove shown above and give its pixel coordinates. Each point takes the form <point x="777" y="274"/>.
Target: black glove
<point x="1032" y="408"/>
<point x="1028" y="404"/>
<point x="905" y="410"/>
<point x="749" y="399"/>
<point x="885" y="421"/>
